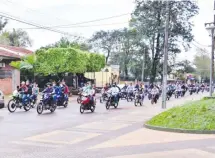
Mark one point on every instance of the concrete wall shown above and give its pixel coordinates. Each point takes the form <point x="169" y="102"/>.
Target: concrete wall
<point x="6" y="85"/>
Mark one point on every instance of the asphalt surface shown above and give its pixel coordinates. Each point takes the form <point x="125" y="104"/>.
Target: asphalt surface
<point x="65" y="133"/>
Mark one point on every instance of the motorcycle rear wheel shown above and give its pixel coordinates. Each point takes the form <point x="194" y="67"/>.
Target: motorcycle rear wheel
<point x="27" y="107"/>
<point x="53" y="108"/>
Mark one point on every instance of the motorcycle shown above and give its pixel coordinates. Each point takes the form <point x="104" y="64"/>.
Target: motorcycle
<point x="79" y="99"/>
<point x="103" y="97"/>
<point x="87" y="104"/>
<point x="154" y="99"/>
<point x="138" y="100"/>
<point x="33" y="100"/>
<point x="123" y="94"/>
<point x="47" y="102"/>
<point x="130" y="96"/>
<point x="192" y="90"/>
<point x="18" y="101"/>
<point x="111" y="102"/>
<point x="62" y="100"/>
<point x="169" y="94"/>
<point x="198" y="90"/>
<point x="178" y="93"/>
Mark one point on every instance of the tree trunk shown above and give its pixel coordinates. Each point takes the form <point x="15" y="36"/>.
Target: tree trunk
<point x="107" y="57"/>
<point x="155" y="61"/>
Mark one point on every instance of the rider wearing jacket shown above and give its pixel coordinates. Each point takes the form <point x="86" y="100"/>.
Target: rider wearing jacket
<point x="114" y="92"/>
<point x="50" y="90"/>
<point x="130" y="89"/>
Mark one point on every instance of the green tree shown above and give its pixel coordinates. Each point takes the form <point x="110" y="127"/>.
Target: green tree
<point x="202" y="63"/>
<point x="19" y="38"/>
<point x="64" y="42"/>
<point x="148" y="19"/>
<point x="3" y="23"/>
<point x="106" y="41"/>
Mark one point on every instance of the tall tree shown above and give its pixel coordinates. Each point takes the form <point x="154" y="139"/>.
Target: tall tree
<point x="19" y="38"/>
<point x="202" y="63"/>
<point x="106" y="41"/>
<point x="3" y="23"/>
<point x="149" y="20"/>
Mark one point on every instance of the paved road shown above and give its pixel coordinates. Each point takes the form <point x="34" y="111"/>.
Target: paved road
<point x="117" y="133"/>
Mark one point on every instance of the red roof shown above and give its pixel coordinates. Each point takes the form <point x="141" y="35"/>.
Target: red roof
<point x="14" y="52"/>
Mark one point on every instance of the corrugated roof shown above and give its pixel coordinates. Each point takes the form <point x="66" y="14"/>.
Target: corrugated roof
<point x="14" y="52"/>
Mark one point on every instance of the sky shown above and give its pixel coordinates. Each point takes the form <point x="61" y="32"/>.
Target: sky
<point x="64" y="12"/>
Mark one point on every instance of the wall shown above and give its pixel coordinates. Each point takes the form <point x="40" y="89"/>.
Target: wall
<point x="6" y="85"/>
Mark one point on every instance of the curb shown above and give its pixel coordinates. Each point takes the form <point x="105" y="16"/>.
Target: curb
<point x="178" y="130"/>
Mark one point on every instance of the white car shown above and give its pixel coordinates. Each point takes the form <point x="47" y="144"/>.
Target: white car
<point x="1" y="99"/>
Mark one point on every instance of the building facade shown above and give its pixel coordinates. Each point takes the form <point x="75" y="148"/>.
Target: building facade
<point x="10" y="77"/>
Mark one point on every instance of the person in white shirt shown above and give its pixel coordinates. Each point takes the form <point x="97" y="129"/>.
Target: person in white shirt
<point x="130" y="89"/>
<point x="155" y="91"/>
<point x="90" y="92"/>
<point x="114" y="92"/>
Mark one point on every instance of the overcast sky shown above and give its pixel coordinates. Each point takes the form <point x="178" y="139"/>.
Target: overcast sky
<point x="63" y="12"/>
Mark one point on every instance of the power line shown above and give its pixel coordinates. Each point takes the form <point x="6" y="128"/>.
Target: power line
<point x="33" y="10"/>
<point x="201" y="44"/>
<point x="91" y="21"/>
<point x="32" y="24"/>
<point x="80" y="26"/>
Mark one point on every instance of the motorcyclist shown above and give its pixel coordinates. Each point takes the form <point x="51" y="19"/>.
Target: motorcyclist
<point x="29" y="92"/>
<point x="66" y="89"/>
<point x="106" y="87"/>
<point x="183" y="87"/>
<point x="35" y="90"/>
<point x="51" y="91"/>
<point x="91" y="93"/>
<point x="114" y="92"/>
<point x="130" y="89"/>
<point x="23" y="90"/>
<point x="155" y="92"/>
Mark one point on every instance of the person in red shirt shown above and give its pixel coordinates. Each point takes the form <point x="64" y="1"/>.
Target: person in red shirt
<point x="66" y="89"/>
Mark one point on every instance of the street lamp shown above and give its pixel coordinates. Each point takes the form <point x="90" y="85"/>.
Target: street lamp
<point x="210" y="28"/>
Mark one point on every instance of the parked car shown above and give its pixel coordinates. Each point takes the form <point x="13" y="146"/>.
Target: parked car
<point x="1" y="99"/>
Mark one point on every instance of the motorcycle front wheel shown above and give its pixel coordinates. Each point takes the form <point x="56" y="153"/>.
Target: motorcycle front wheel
<point x="108" y="105"/>
<point x="92" y="108"/>
<point x="79" y="100"/>
<point x="82" y="109"/>
<point x="40" y="108"/>
<point x="116" y="105"/>
<point x="11" y="106"/>
<point x="152" y="101"/>
<point x="65" y="104"/>
<point x="53" y="108"/>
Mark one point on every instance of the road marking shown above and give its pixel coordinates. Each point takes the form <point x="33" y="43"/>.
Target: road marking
<point x="147" y="136"/>
<point x="28" y="143"/>
<point x="176" y="154"/>
<point x="62" y="137"/>
<point x="104" y="125"/>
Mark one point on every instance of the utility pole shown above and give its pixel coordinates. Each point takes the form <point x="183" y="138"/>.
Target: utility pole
<point x="143" y="65"/>
<point x="212" y="63"/>
<point x="213" y="54"/>
<point x="165" y="62"/>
